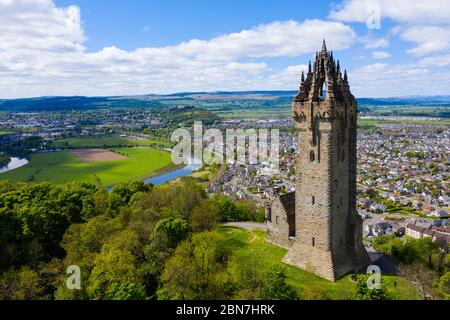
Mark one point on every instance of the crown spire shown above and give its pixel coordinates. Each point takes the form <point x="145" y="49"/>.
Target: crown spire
<point x="324" y="46"/>
<point x="324" y="70"/>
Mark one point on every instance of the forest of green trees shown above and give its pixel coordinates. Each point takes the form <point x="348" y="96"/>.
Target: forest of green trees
<point x="422" y="261"/>
<point x="141" y="242"/>
<point x="137" y="242"/>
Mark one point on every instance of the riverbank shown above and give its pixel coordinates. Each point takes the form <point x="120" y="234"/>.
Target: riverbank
<point x="12" y="164"/>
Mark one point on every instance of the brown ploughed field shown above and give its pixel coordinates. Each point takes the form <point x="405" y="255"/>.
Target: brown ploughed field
<point x="97" y="155"/>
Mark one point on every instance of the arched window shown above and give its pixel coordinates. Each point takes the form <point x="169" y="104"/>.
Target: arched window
<point x="312" y="156"/>
<point x="313" y="242"/>
<point x="313" y="200"/>
<point x="323" y="91"/>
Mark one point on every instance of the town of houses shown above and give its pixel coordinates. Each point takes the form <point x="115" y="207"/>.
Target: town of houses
<point x="403" y="180"/>
<point x="403" y="169"/>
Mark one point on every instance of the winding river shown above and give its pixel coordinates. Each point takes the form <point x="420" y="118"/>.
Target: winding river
<point x="166" y="177"/>
<point x="191" y="167"/>
<point x="14" y="163"/>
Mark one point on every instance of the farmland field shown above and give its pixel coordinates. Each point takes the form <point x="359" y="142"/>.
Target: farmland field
<point x="97" y="155"/>
<point x="108" y="142"/>
<point x="254" y="244"/>
<point x="365" y="123"/>
<point x="64" y="166"/>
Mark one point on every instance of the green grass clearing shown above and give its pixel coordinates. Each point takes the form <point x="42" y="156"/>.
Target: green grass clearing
<point x="254" y="243"/>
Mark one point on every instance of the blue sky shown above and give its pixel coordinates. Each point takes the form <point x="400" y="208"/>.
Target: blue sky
<point x="104" y="47"/>
<point x="174" y="21"/>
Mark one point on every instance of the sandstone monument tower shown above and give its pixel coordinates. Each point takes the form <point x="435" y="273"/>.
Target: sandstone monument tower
<point x="318" y="222"/>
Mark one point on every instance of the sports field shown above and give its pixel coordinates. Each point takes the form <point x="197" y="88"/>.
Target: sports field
<point x="65" y="166"/>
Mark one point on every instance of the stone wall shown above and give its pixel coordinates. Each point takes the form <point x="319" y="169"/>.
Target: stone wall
<point x="281" y="220"/>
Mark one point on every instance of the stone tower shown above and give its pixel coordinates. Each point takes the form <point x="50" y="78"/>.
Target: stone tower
<point x="328" y="230"/>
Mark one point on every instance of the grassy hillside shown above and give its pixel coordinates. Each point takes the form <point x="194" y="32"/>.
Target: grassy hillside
<point x="61" y="167"/>
<point x="254" y="243"/>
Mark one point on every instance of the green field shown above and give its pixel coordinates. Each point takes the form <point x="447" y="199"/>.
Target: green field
<point x="4" y="132"/>
<point x="367" y="123"/>
<point x="254" y="243"/>
<point x="108" y="142"/>
<point x="260" y="113"/>
<point x="63" y="166"/>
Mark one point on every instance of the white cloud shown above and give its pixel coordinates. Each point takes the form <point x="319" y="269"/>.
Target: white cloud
<point x="249" y="67"/>
<point x="288" y="38"/>
<point x="288" y="78"/>
<point x="373" y="43"/>
<point x="359" y="58"/>
<point x="380" y="55"/>
<point x="436" y="61"/>
<point x="393" y="80"/>
<point x="429" y="39"/>
<point x="42" y="52"/>
<point x="426" y="23"/>
<point x="436" y="11"/>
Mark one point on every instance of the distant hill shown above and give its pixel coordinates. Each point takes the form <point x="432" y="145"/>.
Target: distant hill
<point x="265" y="98"/>
<point x="71" y="103"/>
<point x="428" y="100"/>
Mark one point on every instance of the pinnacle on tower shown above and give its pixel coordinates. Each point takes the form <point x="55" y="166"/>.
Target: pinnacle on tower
<point x="309" y="67"/>
<point x="345" y="76"/>
<point x="324" y="46"/>
<point x="303" y="76"/>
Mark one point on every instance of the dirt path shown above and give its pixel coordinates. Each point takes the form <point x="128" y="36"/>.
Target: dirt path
<point x="247" y="225"/>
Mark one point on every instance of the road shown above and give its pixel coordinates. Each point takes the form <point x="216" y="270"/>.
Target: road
<point x="247" y="225"/>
